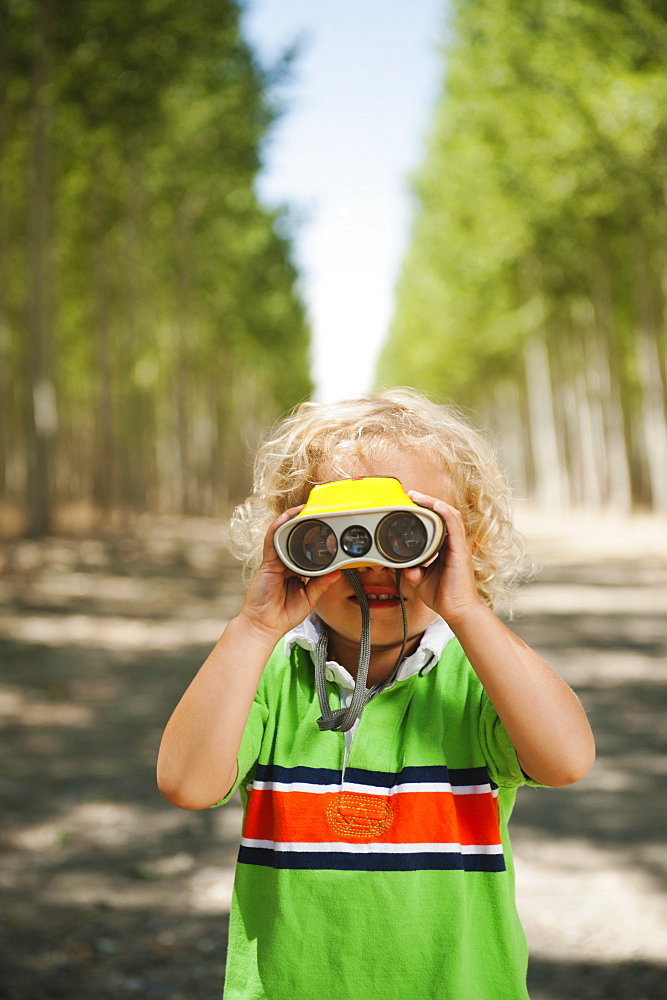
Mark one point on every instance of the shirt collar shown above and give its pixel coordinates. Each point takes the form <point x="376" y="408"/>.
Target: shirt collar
<point x="424" y="658"/>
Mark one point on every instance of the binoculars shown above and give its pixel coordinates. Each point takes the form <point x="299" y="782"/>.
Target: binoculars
<point x="352" y="523"/>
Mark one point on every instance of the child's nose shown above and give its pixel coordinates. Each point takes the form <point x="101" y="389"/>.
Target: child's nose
<point x="373" y="570"/>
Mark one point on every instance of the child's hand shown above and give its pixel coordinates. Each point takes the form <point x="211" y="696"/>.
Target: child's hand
<point x="277" y="600"/>
<point x="447" y="585"/>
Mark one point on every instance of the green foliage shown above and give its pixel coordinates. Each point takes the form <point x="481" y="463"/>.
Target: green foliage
<point x="545" y="161"/>
<point x="542" y="188"/>
<point x="172" y="287"/>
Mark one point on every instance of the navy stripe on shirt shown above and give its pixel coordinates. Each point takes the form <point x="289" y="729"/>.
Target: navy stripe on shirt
<point x="380" y="779"/>
<point x="366" y="862"/>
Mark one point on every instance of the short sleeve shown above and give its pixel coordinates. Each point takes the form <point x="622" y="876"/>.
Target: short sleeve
<point x="501" y="757"/>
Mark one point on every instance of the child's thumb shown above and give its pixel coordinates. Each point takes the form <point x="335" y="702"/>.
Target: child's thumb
<point x="318" y="585"/>
<point x="414" y="575"/>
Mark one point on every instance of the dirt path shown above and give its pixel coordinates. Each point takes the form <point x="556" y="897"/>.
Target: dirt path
<point x="108" y="892"/>
<point x="592" y="859"/>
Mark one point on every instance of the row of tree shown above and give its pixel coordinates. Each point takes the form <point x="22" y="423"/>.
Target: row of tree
<point x="534" y="289"/>
<point x="149" y="317"/>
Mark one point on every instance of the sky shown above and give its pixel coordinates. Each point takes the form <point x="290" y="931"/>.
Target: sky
<point x="357" y="111"/>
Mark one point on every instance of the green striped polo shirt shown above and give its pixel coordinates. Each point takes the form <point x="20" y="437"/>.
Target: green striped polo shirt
<point x="381" y="868"/>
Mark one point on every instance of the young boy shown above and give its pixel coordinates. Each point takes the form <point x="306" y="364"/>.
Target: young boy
<point x="375" y="863"/>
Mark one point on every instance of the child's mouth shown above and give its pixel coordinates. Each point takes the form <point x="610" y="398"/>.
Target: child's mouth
<point x="379" y="597"/>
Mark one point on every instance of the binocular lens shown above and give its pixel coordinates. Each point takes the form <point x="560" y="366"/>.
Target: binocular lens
<point x="312" y="545"/>
<point x="356" y="541"/>
<point x="401" y="537"/>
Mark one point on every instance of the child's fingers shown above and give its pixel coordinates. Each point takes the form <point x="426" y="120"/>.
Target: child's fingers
<point x="451" y="516"/>
<point x="269" y="551"/>
<point x="318" y="585"/>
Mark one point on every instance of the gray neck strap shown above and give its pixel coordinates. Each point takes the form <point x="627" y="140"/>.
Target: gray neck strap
<point x="342" y="719"/>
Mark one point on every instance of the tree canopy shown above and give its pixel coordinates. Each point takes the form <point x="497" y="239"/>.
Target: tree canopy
<point x="533" y="286"/>
<point x="150" y="320"/>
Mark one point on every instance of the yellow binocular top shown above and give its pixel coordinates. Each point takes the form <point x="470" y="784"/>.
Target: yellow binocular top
<point x="358" y="522"/>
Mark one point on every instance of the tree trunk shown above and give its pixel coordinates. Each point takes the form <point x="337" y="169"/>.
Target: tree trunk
<point x="7" y="408"/>
<point x="619" y="480"/>
<point x="41" y="403"/>
<point x="653" y="416"/>
<point x="550" y="477"/>
<point x="651" y="373"/>
<point x="183" y="320"/>
<point x="104" y="454"/>
<point x="504" y="413"/>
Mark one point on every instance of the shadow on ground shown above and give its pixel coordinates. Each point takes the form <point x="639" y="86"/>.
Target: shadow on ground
<point x="617" y="663"/>
<point x="105" y="888"/>
<point x="602" y="981"/>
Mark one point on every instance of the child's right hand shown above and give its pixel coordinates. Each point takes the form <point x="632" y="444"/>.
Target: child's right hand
<point x="277" y="600"/>
<point x="198" y="755"/>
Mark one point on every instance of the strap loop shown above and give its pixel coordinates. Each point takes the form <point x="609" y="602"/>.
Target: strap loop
<point x="342" y="719"/>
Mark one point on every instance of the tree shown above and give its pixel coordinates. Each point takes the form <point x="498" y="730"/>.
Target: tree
<point x="162" y="306"/>
<point x="532" y="281"/>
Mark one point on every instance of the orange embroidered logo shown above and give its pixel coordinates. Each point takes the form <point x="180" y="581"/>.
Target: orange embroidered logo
<point x="361" y="816"/>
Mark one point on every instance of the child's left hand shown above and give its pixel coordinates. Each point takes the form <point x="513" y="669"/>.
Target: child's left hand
<point x="447" y="585"/>
<point x="542" y="716"/>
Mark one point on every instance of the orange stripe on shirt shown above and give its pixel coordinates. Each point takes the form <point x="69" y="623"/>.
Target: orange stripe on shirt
<point x="406" y="818"/>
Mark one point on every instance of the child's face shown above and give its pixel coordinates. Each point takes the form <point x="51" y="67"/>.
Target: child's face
<point x="339" y="608"/>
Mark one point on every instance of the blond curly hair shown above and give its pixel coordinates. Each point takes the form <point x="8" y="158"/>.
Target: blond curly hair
<point x="323" y="441"/>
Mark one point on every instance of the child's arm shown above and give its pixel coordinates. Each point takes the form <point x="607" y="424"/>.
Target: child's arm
<point x="541" y="714"/>
<point x="200" y="744"/>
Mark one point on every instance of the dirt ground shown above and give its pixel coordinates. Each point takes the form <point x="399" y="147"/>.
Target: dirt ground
<point x="109" y="892"/>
